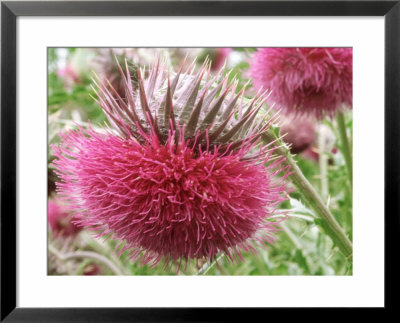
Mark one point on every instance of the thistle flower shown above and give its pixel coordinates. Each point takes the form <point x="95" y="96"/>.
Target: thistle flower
<point x="311" y="81"/>
<point x="322" y="132"/>
<point x="298" y="132"/>
<point x="219" y="58"/>
<point x="182" y="177"/>
<point x="60" y="220"/>
<point x="69" y="75"/>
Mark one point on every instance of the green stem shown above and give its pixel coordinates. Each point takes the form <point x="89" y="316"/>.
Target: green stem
<point x="345" y="146"/>
<point x="323" y="164"/>
<point x="307" y="191"/>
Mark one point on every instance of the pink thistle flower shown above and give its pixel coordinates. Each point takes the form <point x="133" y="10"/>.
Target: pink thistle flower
<point x="311" y="153"/>
<point x="312" y="81"/>
<point x="181" y="178"/>
<point x="220" y="57"/>
<point x="298" y="132"/>
<point x="323" y="132"/>
<point x="60" y="220"/>
<point x="68" y="74"/>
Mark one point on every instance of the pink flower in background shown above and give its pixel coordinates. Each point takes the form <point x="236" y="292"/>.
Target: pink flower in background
<point x="311" y="153"/>
<point x="68" y="74"/>
<point x="299" y="132"/>
<point x="219" y="58"/>
<point x="311" y="81"/>
<point x="181" y="176"/>
<point x="322" y="132"/>
<point x="60" y="220"/>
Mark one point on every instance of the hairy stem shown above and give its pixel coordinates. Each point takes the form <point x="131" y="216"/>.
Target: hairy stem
<point x="308" y="193"/>
<point x="345" y="146"/>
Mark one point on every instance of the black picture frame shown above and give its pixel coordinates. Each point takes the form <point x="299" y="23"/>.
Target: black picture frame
<point x="11" y="10"/>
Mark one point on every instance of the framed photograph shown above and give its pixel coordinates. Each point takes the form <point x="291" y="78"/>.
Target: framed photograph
<point x="197" y="158"/>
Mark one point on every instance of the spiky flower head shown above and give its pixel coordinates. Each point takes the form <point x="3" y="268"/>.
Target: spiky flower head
<point x="183" y="176"/>
<point x="107" y="62"/>
<point x="311" y="81"/>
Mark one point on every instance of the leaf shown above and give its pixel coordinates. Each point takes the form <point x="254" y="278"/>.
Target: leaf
<point x="301" y="260"/>
<point x="299" y="208"/>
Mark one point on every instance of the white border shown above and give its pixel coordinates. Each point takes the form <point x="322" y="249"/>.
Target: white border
<point x="364" y="288"/>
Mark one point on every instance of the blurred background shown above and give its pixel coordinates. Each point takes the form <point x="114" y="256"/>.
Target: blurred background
<point x="300" y="248"/>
